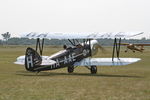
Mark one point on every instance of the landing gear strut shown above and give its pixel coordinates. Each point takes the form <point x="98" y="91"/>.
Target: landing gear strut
<point x="70" y="69"/>
<point x="93" y="69"/>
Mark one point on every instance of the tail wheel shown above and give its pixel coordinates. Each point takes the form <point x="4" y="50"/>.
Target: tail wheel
<point x="93" y="69"/>
<point x="70" y="69"/>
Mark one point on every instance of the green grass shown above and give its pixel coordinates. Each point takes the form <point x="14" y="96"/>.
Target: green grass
<point x="130" y="82"/>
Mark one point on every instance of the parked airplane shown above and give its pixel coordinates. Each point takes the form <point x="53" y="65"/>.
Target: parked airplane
<point x="79" y="54"/>
<point x="135" y="47"/>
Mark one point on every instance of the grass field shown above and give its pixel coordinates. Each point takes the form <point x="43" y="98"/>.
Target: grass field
<point x="130" y="82"/>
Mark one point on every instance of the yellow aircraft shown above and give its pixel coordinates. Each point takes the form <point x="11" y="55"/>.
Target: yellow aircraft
<point x="135" y="47"/>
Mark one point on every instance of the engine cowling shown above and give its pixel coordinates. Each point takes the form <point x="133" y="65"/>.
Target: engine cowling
<point x="94" y="47"/>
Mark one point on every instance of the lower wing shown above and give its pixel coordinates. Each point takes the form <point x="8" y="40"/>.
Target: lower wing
<point x="87" y="61"/>
<point x="106" y="61"/>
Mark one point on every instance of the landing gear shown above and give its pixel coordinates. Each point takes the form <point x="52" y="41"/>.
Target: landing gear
<point x="93" y="69"/>
<point x="70" y="69"/>
<point x="126" y="50"/>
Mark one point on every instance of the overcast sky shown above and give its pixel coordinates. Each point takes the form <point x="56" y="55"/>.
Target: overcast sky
<point x="18" y="16"/>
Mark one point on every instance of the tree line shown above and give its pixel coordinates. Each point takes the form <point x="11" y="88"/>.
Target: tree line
<point x="7" y="40"/>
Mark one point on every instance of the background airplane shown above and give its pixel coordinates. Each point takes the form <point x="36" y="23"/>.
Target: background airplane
<point x="135" y="47"/>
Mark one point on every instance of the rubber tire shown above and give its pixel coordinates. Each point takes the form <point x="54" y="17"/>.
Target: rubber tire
<point x="93" y="69"/>
<point x="70" y="69"/>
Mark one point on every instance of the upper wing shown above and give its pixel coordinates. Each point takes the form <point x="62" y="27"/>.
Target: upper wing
<point x="106" y="61"/>
<point x="94" y="35"/>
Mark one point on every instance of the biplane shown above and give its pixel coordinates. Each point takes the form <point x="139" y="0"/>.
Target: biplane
<point x="78" y="54"/>
<point x="135" y="47"/>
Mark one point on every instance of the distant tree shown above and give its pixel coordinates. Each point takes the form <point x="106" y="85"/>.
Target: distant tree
<point x="1" y="42"/>
<point x="143" y="38"/>
<point x="6" y="36"/>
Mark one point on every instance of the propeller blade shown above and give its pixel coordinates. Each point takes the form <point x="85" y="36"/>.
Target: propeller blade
<point x="101" y="48"/>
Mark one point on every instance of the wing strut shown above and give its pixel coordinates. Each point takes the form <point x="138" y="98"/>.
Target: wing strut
<point x="39" y="45"/>
<point x="90" y="47"/>
<point x="74" y="42"/>
<point x="116" y="48"/>
<point x="88" y="41"/>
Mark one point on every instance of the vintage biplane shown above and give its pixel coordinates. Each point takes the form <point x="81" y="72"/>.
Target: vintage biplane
<point x="135" y="46"/>
<point x="78" y="54"/>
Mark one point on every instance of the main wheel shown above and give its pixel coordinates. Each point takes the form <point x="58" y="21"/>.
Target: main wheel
<point x="70" y="69"/>
<point x="93" y="69"/>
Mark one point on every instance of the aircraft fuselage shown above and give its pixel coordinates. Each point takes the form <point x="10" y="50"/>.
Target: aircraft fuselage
<point x="64" y="58"/>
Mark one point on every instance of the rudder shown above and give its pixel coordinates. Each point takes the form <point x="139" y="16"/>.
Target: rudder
<point x="32" y="59"/>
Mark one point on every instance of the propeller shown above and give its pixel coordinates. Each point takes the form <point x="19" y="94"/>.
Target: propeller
<point x="95" y="46"/>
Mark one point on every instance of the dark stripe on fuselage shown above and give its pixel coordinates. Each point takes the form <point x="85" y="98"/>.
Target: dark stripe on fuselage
<point x="65" y="59"/>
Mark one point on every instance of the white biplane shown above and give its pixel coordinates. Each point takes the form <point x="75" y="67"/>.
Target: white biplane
<point x="79" y="54"/>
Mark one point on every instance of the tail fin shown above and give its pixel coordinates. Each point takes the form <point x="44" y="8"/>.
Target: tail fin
<point x="32" y="59"/>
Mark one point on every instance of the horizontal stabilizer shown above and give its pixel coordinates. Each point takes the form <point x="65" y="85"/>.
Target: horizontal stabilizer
<point x="45" y="60"/>
<point x="106" y="61"/>
<point x="20" y="60"/>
